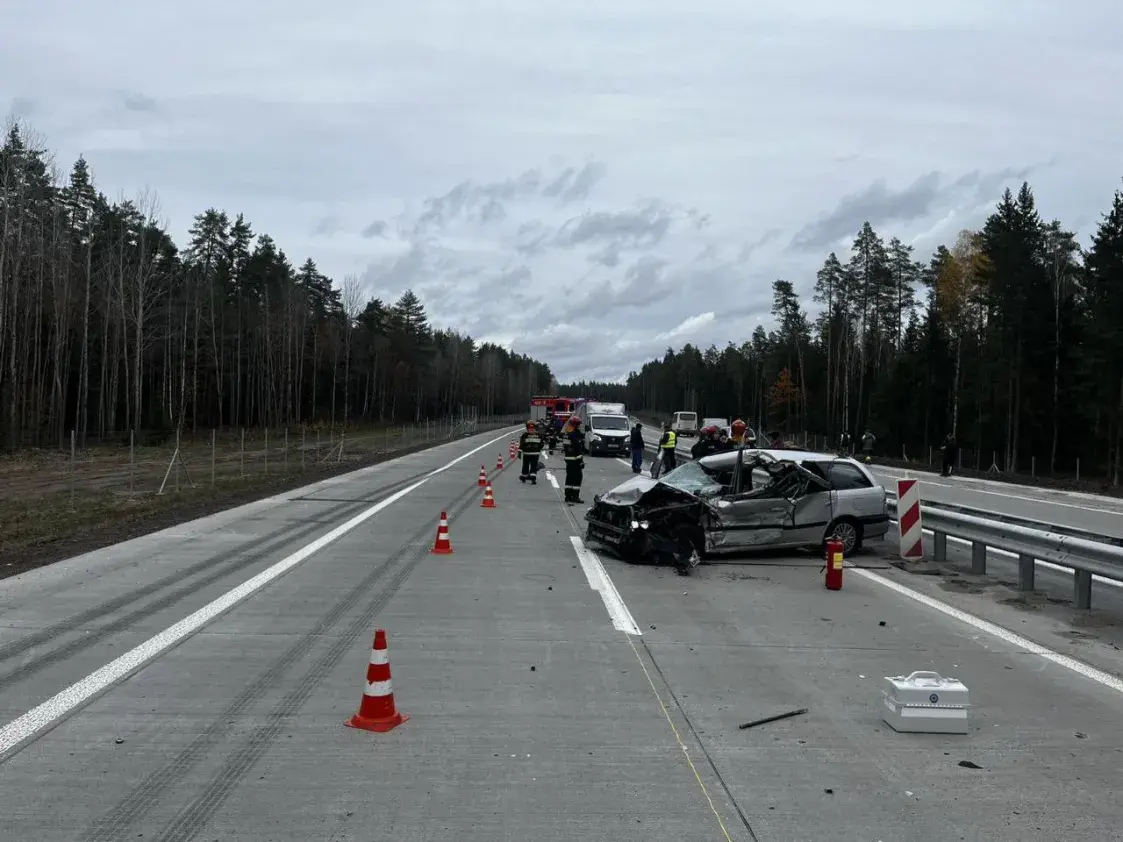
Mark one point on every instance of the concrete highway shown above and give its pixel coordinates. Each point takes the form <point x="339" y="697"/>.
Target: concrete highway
<point x="193" y="684"/>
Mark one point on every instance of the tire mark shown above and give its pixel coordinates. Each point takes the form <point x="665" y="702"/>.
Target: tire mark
<point x="114" y="825"/>
<point x="259" y="547"/>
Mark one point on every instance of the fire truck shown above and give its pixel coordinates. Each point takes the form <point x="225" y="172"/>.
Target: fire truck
<point x="552" y="409"/>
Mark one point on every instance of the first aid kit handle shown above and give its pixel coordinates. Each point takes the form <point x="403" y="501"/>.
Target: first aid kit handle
<point x="925" y="674"/>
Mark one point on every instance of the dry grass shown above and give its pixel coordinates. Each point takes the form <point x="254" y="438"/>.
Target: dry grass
<point x="51" y="504"/>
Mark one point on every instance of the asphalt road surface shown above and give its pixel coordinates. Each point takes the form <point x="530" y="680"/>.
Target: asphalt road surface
<point x="193" y="684"/>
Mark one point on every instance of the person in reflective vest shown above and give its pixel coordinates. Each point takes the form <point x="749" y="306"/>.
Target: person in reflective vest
<point x="667" y="448"/>
<point x="574" y="460"/>
<point x="530" y="449"/>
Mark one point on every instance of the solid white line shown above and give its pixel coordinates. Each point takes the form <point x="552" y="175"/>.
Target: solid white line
<point x="600" y="582"/>
<point x="1039" y="500"/>
<point x="553" y="481"/>
<point x="1006" y="553"/>
<point x="979" y="624"/>
<point x="46" y="714"/>
<point x="627" y="465"/>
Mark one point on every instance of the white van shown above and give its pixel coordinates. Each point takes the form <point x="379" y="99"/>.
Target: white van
<point x="685" y="423"/>
<point x="607" y="428"/>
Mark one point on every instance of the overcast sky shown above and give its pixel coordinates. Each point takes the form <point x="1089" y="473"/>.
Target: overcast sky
<point x="585" y="182"/>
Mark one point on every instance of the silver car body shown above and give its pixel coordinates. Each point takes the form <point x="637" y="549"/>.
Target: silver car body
<point x="783" y="499"/>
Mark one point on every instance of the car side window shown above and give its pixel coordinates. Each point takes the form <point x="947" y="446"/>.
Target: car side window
<point x="846" y="477"/>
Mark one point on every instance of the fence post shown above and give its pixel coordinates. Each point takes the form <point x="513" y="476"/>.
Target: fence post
<point x="303" y="439"/>
<point x="286" y="451"/>
<point x="266" y="450"/>
<point x="978" y="558"/>
<point x="175" y="458"/>
<point x="1033" y="466"/>
<point x="1082" y="589"/>
<point x="939" y="546"/>
<point x="1078" y="469"/>
<point x="242" y="455"/>
<point x="132" y="461"/>
<point x="214" y="435"/>
<point x="73" y="464"/>
<point x="1027" y="567"/>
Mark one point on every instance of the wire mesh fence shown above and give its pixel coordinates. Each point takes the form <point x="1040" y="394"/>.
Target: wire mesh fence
<point x="131" y="465"/>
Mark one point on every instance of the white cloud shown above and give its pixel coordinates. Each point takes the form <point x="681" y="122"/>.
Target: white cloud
<point x="576" y="180"/>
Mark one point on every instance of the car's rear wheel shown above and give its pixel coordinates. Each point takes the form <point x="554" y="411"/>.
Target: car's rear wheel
<point x="849" y="532"/>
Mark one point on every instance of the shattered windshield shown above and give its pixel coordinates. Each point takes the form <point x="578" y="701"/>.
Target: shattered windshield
<point x="692" y="478"/>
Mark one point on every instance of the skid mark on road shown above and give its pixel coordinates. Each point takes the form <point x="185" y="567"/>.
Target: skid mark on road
<point x="49" y="713"/>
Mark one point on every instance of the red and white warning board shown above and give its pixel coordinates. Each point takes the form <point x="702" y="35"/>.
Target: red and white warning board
<point x="908" y="518"/>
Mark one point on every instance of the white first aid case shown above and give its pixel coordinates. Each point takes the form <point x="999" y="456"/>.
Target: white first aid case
<point x="924" y="702"/>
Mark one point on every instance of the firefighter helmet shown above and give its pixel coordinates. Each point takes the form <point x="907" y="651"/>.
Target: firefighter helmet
<point x="738" y="426"/>
<point x="530" y="425"/>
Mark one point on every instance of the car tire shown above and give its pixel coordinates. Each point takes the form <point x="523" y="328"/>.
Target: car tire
<point x="850" y="532"/>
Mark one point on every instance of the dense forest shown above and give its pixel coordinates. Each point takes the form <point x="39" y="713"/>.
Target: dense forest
<point x="1011" y="338"/>
<point x="106" y="325"/>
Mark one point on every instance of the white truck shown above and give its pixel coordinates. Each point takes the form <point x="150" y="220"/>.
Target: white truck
<point x="607" y="428"/>
<point x="685" y="423"/>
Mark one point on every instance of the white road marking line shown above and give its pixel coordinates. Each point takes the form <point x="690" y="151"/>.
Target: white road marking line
<point x="49" y="712"/>
<point x="1039" y="500"/>
<point x="553" y="481"/>
<point x="627" y="465"/>
<point x="600" y="582"/>
<point x="1007" y="554"/>
<point x="995" y="630"/>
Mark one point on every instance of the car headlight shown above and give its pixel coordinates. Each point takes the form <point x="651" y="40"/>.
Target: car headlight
<point x="643" y="524"/>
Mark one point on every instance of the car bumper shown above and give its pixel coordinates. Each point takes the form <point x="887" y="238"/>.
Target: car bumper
<point x="875" y="526"/>
<point x="610" y="446"/>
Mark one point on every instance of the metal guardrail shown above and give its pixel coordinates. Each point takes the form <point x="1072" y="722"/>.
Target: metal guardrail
<point x="1003" y="517"/>
<point x="1085" y="558"/>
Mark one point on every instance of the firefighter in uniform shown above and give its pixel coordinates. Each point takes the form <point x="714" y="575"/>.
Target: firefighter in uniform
<point x="574" y="460"/>
<point x="530" y="449"/>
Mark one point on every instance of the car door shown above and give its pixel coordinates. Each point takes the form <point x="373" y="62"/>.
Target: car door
<point x="747" y="521"/>
<point x="813" y="509"/>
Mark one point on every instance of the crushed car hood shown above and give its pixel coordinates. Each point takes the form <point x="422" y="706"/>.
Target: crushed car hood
<point x="628" y="493"/>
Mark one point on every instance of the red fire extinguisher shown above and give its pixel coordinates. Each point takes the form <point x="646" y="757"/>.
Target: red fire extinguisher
<point x="834" y="564"/>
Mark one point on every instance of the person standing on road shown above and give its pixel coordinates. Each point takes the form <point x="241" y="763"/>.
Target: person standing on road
<point x="737" y="432"/>
<point x="951" y="450"/>
<point x="667" y="447"/>
<point x="530" y="449"/>
<point x="868" y="441"/>
<point x="637" y="448"/>
<point x="574" y="460"/>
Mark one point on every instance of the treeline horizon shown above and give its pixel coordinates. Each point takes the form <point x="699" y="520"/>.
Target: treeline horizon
<point x="1009" y="338"/>
<point x="107" y="325"/>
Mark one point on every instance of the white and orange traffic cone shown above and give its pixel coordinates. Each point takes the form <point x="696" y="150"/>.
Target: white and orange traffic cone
<point x="489" y="499"/>
<point x="499" y="463"/>
<point x="483" y="477"/>
<point x="443" y="544"/>
<point x="377" y="711"/>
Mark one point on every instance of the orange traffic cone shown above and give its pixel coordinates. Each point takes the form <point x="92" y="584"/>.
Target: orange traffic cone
<point x="443" y="545"/>
<point x="483" y="476"/>
<point x="377" y="711"/>
<point x="499" y="464"/>
<point x="489" y="499"/>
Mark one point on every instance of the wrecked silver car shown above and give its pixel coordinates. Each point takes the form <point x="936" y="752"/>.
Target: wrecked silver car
<point x="736" y="501"/>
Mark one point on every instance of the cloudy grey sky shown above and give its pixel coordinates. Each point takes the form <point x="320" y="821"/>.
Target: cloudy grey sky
<point x="586" y="182"/>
